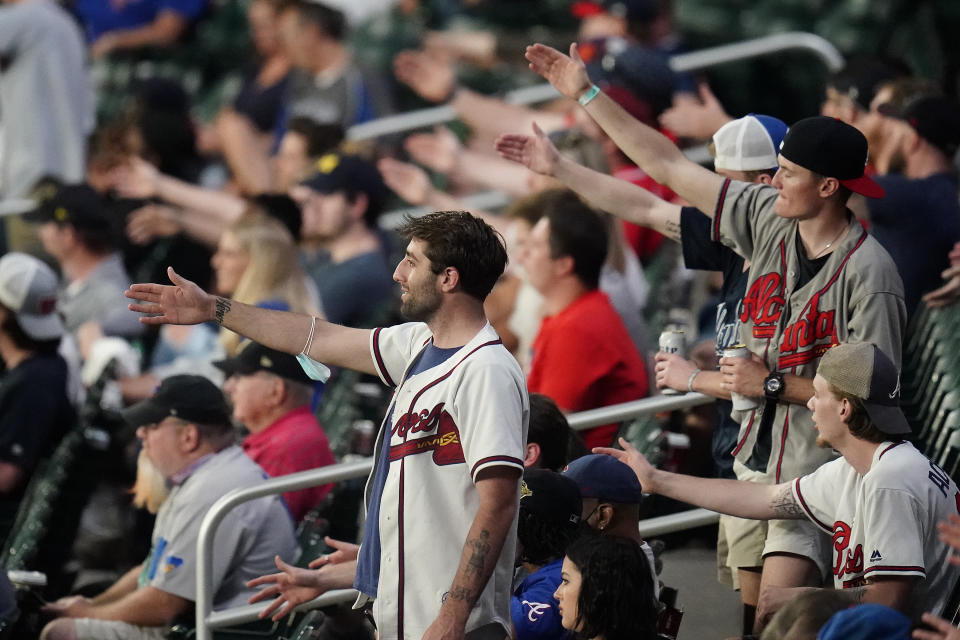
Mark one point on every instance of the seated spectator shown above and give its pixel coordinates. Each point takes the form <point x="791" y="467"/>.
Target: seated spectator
<point x="879" y="556"/>
<point x="112" y="26"/>
<point x="549" y="521"/>
<point x="605" y="592"/>
<point x="186" y="431"/>
<point x="549" y="437"/>
<point x="611" y="501"/>
<point x="34" y="408"/>
<point x="583" y="357"/>
<point x="918" y="220"/>
<point x="303" y="142"/>
<point x="344" y="254"/>
<point x="271" y="397"/>
<point x="77" y="232"/>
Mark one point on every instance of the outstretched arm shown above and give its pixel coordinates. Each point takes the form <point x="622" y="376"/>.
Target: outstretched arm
<point x="186" y="303"/>
<point x="651" y="151"/>
<point x="733" y="497"/>
<point x="619" y="197"/>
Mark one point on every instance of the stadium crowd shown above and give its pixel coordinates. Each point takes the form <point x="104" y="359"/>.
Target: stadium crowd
<point x="212" y="273"/>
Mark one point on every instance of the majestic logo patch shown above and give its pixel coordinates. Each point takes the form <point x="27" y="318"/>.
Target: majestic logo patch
<point x="876" y="556"/>
<point x="443" y="441"/>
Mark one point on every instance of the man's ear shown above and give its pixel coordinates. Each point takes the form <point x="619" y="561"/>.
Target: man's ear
<point x="828" y="187"/>
<point x="359" y="206"/>
<point x="532" y="456"/>
<point x="189" y="438"/>
<point x="564" y="265"/>
<point x="765" y="179"/>
<point x="449" y="279"/>
<point x="604" y="515"/>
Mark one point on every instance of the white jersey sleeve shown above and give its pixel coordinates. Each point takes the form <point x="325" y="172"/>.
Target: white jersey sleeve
<point x="492" y="413"/>
<point x="817" y="493"/>
<point x="393" y="348"/>
<point x="744" y="210"/>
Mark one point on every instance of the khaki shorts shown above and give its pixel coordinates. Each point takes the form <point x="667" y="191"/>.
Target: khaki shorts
<point x="749" y="541"/>
<point x="91" y="629"/>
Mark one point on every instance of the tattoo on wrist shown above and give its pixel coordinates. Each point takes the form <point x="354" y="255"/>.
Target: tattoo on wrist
<point x="785" y="505"/>
<point x="223" y="307"/>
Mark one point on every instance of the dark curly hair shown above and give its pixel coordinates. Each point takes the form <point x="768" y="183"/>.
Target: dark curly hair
<point x="616" y="599"/>
<point x="460" y="240"/>
<point x="541" y="540"/>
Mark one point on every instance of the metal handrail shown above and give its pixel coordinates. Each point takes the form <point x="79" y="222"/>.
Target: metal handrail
<point x="702" y="59"/>
<point x="206" y="619"/>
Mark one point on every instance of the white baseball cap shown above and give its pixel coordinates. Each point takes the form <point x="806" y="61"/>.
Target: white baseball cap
<point x="28" y="287"/>
<point x="750" y="143"/>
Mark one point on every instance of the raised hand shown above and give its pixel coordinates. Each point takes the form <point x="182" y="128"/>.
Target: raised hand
<point x="150" y="222"/>
<point x="438" y="151"/>
<point x="408" y="181"/>
<point x="535" y="152"/>
<point x="949" y="292"/>
<point x="182" y="303"/>
<point x="693" y="118"/>
<point x="431" y="77"/>
<point x="568" y="74"/>
<point x="136" y="179"/>
<point x="289" y="588"/>
<point x="345" y="552"/>
<point x="636" y="461"/>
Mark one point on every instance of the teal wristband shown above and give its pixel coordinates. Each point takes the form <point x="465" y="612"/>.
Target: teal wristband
<point x="591" y="93"/>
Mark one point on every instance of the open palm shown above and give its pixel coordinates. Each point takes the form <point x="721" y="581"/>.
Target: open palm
<point x="567" y="74"/>
<point x="182" y="303"/>
<point x="535" y="152"/>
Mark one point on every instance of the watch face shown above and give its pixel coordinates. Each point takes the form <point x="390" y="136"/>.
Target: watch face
<point x="773" y="385"/>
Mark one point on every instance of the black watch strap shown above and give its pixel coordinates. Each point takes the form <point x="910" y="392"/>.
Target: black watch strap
<point x="773" y="386"/>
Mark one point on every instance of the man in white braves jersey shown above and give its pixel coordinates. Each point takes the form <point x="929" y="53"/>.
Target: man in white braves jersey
<point x="881" y="501"/>
<point x="816" y="279"/>
<point x="442" y="501"/>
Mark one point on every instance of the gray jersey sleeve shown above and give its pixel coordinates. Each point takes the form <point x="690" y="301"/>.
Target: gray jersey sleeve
<point x="743" y="212"/>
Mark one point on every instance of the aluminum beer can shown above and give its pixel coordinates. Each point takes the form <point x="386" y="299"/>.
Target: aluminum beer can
<point x="672" y="341"/>
<point x="740" y="402"/>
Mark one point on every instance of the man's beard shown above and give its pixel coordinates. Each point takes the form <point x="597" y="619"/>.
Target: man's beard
<point x="420" y="307"/>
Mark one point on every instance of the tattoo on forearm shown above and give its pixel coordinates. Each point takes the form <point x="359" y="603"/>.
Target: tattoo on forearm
<point x="479" y="549"/>
<point x="785" y="505"/>
<point x="672" y="229"/>
<point x="223" y="307"/>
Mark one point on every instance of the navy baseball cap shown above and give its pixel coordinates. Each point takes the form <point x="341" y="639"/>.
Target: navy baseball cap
<point x="254" y="357"/>
<point x="190" y="398"/>
<point x="77" y="205"/>
<point x="339" y="172"/>
<point x="605" y="478"/>
<point x="833" y="149"/>
<point x="862" y="370"/>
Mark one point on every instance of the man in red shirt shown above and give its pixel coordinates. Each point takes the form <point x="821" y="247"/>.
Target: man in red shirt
<point x="583" y="357"/>
<point x="271" y="398"/>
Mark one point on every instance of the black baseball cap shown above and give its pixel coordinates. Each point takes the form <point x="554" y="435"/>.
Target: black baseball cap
<point x="935" y="118"/>
<point x="551" y="496"/>
<point x="254" y="357"/>
<point x="190" y="398"/>
<point x="77" y="205"/>
<point x="833" y="149"/>
<point x="341" y="172"/>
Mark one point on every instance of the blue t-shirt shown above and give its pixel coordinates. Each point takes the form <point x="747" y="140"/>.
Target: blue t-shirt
<point x="368" y="562"/>
<point x="533" y="608"/>
<point x="101" y="16"/>
<point x="917" y="222"/>
<point x="700" y="252"/>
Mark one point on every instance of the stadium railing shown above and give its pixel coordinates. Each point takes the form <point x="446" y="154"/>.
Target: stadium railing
<point x="207" y="620"/>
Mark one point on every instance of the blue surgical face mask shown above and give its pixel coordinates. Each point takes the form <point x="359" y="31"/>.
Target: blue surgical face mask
<point x="314" y="370"/>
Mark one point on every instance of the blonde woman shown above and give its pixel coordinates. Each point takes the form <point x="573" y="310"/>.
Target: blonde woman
<point x="257" y="263"/>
